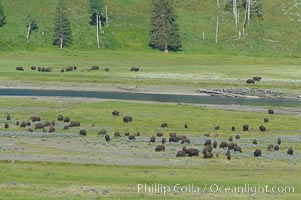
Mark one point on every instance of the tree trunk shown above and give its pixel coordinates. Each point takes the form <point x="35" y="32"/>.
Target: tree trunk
<point x="249" y="10"/>
<point x="235" y="12"/>
<point x="216" y="30"/>
<point x="97" y="31"/>
<point x="61" y="42"/>
<point x="217" y="2"/>
<point x="203" y="35"/>
<point x="244" y="25"/>
<point x="100" y="26"/>
<point x="28" y="32"/>
<point x="107" y="17"/>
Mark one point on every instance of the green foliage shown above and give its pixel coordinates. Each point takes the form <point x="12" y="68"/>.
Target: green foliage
<point x="62" y="29"/>
<point x="164" y="33"/>
<point x="96" y="6"/>
<point x="32" y="23"/>
<point x="2" y="16"/>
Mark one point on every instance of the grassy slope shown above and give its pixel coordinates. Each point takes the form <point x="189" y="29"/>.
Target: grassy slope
<point x="129" y="24"/>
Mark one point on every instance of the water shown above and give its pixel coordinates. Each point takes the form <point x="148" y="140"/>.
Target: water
<point x="220" y="100"/>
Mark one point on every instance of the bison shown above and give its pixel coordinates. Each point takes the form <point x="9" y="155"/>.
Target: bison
<point x="163" y="140"/>
<point x="117" y="134"/>
<point x="207" y="154"/>
<point x="106" y="69"/>
<point x="245" y="127"/>
<point x="33" y="68"/>
<point x="223" y="145"/>
<point x="107" y="138"/>
<point x="134" y="69"/>
<point x="270" y="147"/>
<point x="19" y="68"/>
<point x="233" y="128"/>
<point x="152" y="139"/>
<point x="66" y="127"/>
<point x="39" y="126"/>
<point x="257" y="153"/>
<point x="164" y="125"/>
<point x="266" y="120"/>
<point x="160" y="148"/>
<point x="159" y="134"/>
<point x="67" y="119"/>
<point x="256" y="78"/>
<point x="60" y="117"/>
<point x="69" y="69"/>
<point x="279" y="141"/>
<point x="276" y="147"/>
<point x="214" y="144"/>
<point x="127" y="119"/>
<point x="262" y="128"/>
<point x="207" y="142"/>
<point x="83" y="132"/>
<point x="51" y="130"/>
<point x="132" y="137"/>
<point x="191" y="152"/>
<point x="237" y="149"/>
<point x="185" y="126"/>
<point x="290" y="151"/>
<point x="35" y="119"/>
<point x="230" y="138"/>
<point x="180" y="154"/>
<point x="254" y="141"/>
<point x="102" y="132"/>
<point x="115" y="113"/>
<point x="6" y="125"/>
<point x="228" y="154"/>
<point x="231" y="146"/>
<point x="271" y="111"/>
<point x="237" y="137"/>
<point x="250" y="81"/>
<point x="216" y="128"/>
<point x="8" y="117"/>
<point x="74" y="124"/>
<point x="94" y="68"/>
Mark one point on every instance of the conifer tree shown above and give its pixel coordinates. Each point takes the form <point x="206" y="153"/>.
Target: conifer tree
<point x="164" y="33"/>
<point x="2" y="16"/>
<point x="62" y="29"/>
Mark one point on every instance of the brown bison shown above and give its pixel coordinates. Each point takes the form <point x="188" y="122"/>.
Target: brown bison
<point x="23" y="124"/>
<point x="180" y="154"/>
<point x="207" y="142"/>
<point x="191" y="152"/>
<point x="94" y="68"/>
<point x="33" y="68"/>
<point x="69" y="69"/>
<point x="276" y="147"/>
<point x="214" y="144"/>
<point x="30" y="130"/>
<point x="231" y="146"/>
<point x="160" y="148"/>
<point x="228" y="154"/>
<point x="39" y="126"/>
<point x="127" y="119"/>
<point x="132" y="137"/>
<point x="245" y="127"/>
<point x="107" y="138"/>
<point x="271" y="147"/>
<point x="106" y="69"/>
<point x="207" y="154"/>
<point x="67" y="119"/>
<point x="115" y="113"/>
<point x="185" y="126"/>
<point x="262" y="128"/>
<point x="19" y="68"/>
<point x="74" y="124"/>
<point x="185" y="140"/>
<point x="8" y="117"/>
<point x="164" y="125"/>
<point x="159" y="134"/>
<point x="152" y="139"/>
<point x="271" y="111"/>
<point x="257" y="153"/>
<point x="266" y="120"/>
<point x="6" y="125"/>
<point x="51" y="130"/>
<point x="138" y="134"/>
<point x="60" y="117"/>
<point x="254" y="141"/>
<point x="127" y="133"/>
<point x="83" y="132"/>
<point x="134" y="69"/>
<point x="102" y="132"/>
<point x="35" y="119"/>
<point x="216" y="128"/>
<point x="223" y="145"/>
<point x="250" y="81"/>
<point x="163" y="140"/>
<point x="256" y="78"/>
<point x="230" y="139"/>
<point x="290" y="151"/>
<point x="173" y="137"/>
<point x="233" y="128"/>
<point x="117" y="134"/>
<point x="279" y="141"/>
<point x="237" y="137"/>
<point x="66" y="127"/>
<point x="237" y="149"/>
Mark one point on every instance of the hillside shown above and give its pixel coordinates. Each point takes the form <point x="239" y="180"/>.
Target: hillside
<point x="277" y="35"/>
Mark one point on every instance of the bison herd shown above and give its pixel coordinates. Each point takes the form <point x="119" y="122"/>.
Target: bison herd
<point x="35" y="123"/>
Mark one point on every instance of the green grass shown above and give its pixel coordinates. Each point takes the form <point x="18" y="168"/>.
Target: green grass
<point x="276" y="35"/>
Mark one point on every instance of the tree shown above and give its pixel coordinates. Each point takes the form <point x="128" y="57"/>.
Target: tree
<point x="164" y="33"/>
<point x="62" y="30"/>
<point x="31" y="26"/>
<point x="97" y="18"/>
<point x="2" y="16"/>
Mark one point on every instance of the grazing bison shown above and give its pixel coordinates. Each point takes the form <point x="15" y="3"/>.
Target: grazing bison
<point x="28" y="123"/>
<point x="127" y="119"/>
<point x="159" y="134"/>
<point x="19" y="68"/>
<point x="262" y="128"/>
<point x="237" y="137"/>
<point x="254" y="141"/>
<point x="237" y="149"/>
<point x="107" y="138"/>
<point x="46" y="124"/>
<point x="160" y="148"/>
<point x="207" y="154"/>
<point x="271" y="147"/>
<point x="74" y="124"/>
<point x="245" y="127"/>
<point x="257" y="153"/>
<point x="230" y="138"/>
<point x="256" y="78"/>
<point x="117" y="134"/>
<point x="228" y="154"/>
<point x="233" y="128"/>
<point x="216" y="128"/>
<point x="17" y="123"/>
<point x="290" y="151"/>
<point x="102" y="132"/>
<point x="69" y="69"/>
<point x="75" y="68"/>
<point x="231" y="146"/>
<point x="152" y="139"/>
<point x="276" y="147"/>
<point x="51" y="130"/>
<point x="127" y="133"/>
<point x="39" y="69"/>
<point x="279" y="141"/>
<point x="23" y="124"/>
<point x="60" y="117"/>
<point x="223" y="145"/>
<point x="33" y="68"/>
<point x="115" y="113"/>
<point x="67" y="119"/>
<point x="164" y="125"/>
<point x="185" y="140"/>
<point x="94" y="68"/>
<point x="83" y="132"/>
<point x="134" y="69"/>
<point x="163" y="140"/>
<point x="271" y="111"/>
<point x="207" y="148"/>
<point x="35" y="119"/>
<point x="191" y="152"/>
<point x="107" y="69"/>
<point x="214" y="144"/>
<point x="39" y="126"/>
<point x="250" y="81"/>
<point x="173" y="138"/>
<point x="6" y="125"/>
<point x="62" y="70"/>
<point x="266" y="120"/>
<point x="185" y="126"/>
<point x="207" y="142"/>
<point x="132" y="137"/>
<point x="66" y="127"/>
<point x="180" y="154"/>
<point x="8" y="117"/>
